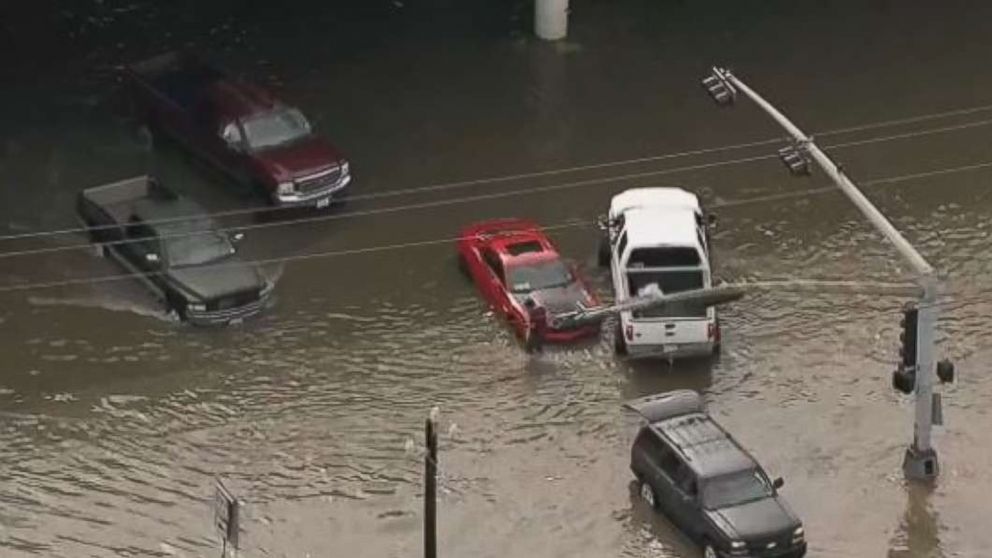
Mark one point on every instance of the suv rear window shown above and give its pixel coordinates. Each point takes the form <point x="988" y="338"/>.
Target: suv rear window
<point x="663" y="257"/>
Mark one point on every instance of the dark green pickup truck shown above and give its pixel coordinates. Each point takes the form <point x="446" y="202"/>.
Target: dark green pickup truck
<point x="172" y="245"/>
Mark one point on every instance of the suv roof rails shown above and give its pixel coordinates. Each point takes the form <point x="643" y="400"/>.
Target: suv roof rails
<point x="695" y="435"/>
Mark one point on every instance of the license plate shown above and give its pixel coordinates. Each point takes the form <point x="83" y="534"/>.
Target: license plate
<point x="323" y="202"/>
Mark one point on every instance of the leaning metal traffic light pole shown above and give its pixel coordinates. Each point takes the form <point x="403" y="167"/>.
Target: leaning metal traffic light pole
<point x="921" y="459"/>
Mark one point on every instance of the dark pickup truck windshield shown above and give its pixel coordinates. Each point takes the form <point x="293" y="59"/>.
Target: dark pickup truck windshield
<point x="534" y="277"/>
<point x="275" y="128"/>
<point x="735" y="489"/>
<point x="198" y="249"/>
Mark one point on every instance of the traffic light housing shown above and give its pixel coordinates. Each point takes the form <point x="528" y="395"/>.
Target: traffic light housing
<point x="904" y="377"/>
<point x="909" y="335"/>
<point x="945" y="371"/>
<point x="719" y="87"/>
<point x="904" y="380"/>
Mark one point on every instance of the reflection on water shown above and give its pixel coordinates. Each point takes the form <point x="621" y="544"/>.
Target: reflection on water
<point x="918" y="535"/>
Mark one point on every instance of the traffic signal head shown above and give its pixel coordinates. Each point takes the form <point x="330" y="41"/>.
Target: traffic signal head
<point x="719" y="87"/>
<point x="795" y="158"/>
<point x="908" y="336"/>
<point x="945" y="371"/>
<point x="904" y="380"/>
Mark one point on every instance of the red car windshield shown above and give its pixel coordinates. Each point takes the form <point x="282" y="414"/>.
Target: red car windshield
<point x="538" y="276"/>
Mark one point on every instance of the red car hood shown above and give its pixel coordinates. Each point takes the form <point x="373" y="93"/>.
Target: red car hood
<point x="301" y="158"/>
<point x="558" y="300"/>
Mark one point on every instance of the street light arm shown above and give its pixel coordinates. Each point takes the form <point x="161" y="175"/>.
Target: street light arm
<point x="920" y="265"/>
<point x="921" y="458"/>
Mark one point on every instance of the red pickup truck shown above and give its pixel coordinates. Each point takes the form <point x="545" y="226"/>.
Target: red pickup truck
<point x="238" y="127"/>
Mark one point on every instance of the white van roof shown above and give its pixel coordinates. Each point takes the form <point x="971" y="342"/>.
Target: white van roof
<point x="661" y="227"/>
<point x="668" y="198"/>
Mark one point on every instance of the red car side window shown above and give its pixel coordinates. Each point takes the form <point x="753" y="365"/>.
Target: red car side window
<point x="492" y="260"/>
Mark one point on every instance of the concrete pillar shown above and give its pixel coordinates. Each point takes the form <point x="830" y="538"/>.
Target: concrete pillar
<point x="551" y="19"/>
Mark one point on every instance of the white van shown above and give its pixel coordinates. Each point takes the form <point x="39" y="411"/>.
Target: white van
<point x="658" y="237"/>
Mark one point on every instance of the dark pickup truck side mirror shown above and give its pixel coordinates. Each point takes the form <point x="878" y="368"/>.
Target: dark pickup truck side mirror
<point x="778" y="483"/>
<point x="711" y="220"/>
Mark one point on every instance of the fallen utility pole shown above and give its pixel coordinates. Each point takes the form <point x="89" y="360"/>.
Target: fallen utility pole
<point x="725" y="293"/>
<point x="920" y="461"/>
<point x="653" y="298"/>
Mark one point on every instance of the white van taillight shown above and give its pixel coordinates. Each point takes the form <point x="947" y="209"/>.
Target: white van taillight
<point x="629" y="332"/>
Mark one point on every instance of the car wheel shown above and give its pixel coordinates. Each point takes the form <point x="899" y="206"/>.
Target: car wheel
<point x="619" y="344"/>
<point x="647" y="494"/>
<point x="603" y="254"/>
<point x="709" y="551"/>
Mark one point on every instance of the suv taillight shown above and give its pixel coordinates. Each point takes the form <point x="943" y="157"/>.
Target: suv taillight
<point x="629" y="332"/>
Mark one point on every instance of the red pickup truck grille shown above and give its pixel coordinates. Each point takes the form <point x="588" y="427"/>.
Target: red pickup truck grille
<point x="312" y="184"/>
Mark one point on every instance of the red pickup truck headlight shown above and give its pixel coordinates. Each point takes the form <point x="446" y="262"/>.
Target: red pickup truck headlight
<point x="284" y="188"/>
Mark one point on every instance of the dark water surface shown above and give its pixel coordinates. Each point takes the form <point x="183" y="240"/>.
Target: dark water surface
<point x="114" y="419"/>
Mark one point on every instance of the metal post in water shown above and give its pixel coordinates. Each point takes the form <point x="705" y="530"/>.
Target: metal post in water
<point x="430" y="488"/>
<point x="551" y="19"/>
<point x="227" y="518"/>
<point x="921" y="459"/>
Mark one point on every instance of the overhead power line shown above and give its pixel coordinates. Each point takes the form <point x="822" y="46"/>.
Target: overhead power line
<point x="494" y="195"/>
<point x="573" y="169"/>
<point x="451" y="240"/>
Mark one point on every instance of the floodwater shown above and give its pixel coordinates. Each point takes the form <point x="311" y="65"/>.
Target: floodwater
<point x="114" y="419"/>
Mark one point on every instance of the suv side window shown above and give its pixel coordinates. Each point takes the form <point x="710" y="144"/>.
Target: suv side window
<point x="685" y="480"/>
<point x="667" y="460"/>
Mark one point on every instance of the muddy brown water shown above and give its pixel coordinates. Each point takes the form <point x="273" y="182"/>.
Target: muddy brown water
<point x="114" y="419"/>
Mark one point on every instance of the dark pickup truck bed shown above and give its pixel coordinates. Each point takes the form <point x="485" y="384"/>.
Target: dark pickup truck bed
<point x="172" y="245"/>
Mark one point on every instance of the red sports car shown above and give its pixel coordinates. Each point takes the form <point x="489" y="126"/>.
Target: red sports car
<point x="511" y="260"/>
